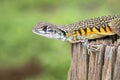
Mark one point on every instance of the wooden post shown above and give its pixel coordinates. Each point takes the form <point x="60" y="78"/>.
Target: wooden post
<point x="103" y="65"/>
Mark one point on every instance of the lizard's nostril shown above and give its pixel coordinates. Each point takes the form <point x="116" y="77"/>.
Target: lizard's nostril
<point x="35" y="30"/>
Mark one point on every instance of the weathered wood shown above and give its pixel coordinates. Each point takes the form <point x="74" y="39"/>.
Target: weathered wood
<point x="102" y="65"/>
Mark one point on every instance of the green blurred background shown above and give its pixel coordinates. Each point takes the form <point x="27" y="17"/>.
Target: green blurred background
<point x="18" y="44"/>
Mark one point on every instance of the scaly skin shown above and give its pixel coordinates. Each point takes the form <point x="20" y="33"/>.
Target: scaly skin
<point x="90" y="29"/>
<point x="81" y="31"/>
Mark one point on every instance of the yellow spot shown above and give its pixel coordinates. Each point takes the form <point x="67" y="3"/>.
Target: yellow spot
<point x="78" y="34"/>
<point x="107" y="32"/>
<point x="108" y="29"/>
<point x="95" y="30"/>
<point x="102" y="30"/>
<point x="70" y="41"/>
<point x="82" y="31"/>
<point x="89" y="31"/>
<point x="74" y="38"/>
<point x="112" y="30"/>
<point x="66" y="35"/>
<point x="71" y="33"/>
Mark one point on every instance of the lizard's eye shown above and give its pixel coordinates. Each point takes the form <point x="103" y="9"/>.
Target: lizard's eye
<point x="44" y="28"/>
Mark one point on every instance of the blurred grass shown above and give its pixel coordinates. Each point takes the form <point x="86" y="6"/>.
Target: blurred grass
<point x="18" y="43"/>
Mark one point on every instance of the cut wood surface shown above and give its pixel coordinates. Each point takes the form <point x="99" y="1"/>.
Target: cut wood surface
<point x="102" y="65"/>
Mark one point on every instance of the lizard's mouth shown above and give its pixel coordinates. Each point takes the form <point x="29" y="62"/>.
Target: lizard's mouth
<point x="42" y="33"/>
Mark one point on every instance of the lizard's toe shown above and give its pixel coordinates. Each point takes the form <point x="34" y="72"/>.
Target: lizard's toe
<point x="93" y="48"/>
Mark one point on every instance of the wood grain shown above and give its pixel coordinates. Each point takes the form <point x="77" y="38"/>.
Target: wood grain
<point x="102" y="65"/>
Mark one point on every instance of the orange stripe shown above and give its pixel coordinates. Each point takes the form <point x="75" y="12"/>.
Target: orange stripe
<point x="102" y="30"/>
<point x="82" y="31"/>
<point x="74" y="38"/>
<point x="78" y="34"/>
<point x="66" y="35"/>
<point x="108" y="29"/>
<point x="89" y="31"/>
<point x="95" y="30"/>
<point x="112" y="30"/>
<point x="71" y="33"/>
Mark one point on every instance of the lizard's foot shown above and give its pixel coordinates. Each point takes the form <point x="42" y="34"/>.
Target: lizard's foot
<point x="93" y="48"/>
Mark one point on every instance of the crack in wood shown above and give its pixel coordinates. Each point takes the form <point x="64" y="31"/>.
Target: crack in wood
<point x="102" y="65"/>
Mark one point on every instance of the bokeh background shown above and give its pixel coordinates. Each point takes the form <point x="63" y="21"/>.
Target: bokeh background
<point x="26" y="56"/>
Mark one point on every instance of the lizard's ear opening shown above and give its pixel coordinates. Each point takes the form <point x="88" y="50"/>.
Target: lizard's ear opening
<point x="63" y="32"/>
<point x="58" y="34"/>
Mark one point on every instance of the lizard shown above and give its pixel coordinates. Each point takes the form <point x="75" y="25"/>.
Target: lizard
<point x="81" y="31"/>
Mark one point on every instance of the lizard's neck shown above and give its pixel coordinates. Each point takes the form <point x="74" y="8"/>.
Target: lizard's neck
<point x="59" y="34"/>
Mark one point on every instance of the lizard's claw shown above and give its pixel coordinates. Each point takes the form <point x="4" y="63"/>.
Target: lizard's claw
<point x="90" y="47"/>
<point x="93" y="48"/>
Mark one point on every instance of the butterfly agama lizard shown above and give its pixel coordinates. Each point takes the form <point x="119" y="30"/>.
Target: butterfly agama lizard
<point x="81" y="31"/>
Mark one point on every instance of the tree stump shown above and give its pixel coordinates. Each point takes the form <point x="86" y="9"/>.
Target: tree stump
<point x="102" y="65"/>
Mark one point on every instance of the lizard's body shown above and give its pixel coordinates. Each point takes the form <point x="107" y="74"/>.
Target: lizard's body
<point x="78" y="32"/>
<point x="90" y="29"/>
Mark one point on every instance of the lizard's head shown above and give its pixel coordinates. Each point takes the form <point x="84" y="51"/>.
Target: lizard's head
<point x="49" y="30"/>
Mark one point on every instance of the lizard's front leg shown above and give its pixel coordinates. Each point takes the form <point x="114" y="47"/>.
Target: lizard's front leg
<point x="90" y="47"/>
